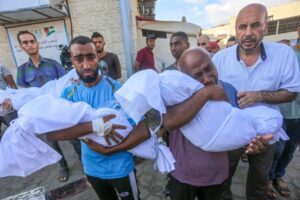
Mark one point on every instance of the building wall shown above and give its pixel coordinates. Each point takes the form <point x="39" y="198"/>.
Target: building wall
<point x="6" y="56"/>
<point x="285" y="10"/>
<point x="87" y="16"/>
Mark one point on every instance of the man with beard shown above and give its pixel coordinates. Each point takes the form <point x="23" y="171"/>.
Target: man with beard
<point x="35" y="73"/>
<point x="199" y="173"/>
<point x="263" y="73"/>
<point x="108" y="62"/>
<point x="203" y="41"/>
<point x="108" y="169"/>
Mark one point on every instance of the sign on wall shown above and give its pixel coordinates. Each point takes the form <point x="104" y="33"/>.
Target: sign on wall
<point x="49" y="35"/>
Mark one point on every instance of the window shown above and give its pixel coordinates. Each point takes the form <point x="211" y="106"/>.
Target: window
<point x="272" y="27"/>
<point x="288" y="24"/>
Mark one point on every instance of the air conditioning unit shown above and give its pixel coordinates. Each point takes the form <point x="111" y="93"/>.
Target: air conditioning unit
<point x="17" y="11"/>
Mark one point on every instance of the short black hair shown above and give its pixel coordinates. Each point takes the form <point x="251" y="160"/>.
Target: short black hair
<point x="96" y="34"/>
<point x="181" y="34"/>
<point x="232" y="39"/>
<point x="80" y="40"/>
<point x="25" y="32"/>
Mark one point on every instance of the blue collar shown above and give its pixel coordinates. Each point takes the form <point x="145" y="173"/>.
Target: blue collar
<point x="262" y="52"/>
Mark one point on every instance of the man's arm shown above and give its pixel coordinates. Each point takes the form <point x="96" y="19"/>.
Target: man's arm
<point x="10" y="81"/>
<point x="138" y="61"/>
<point x="181" y="114"/>
<point x="139" y="134"/>
<point x="136" y="66"/>
<point x="59" y="69"/>
<point x="71" y="133"/>
<point x="84" y="129"/>
<point x="117" y="67"/>
<point x="21" y="77"/>
<point x="273" y="97"/>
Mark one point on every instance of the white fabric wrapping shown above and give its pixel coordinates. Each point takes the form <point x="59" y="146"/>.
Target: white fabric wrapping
<point x="20" y="96"/>
<point x="230" y="128"/>
<point x="140" y="94"/>
<point x="165" y="162"/>
<point x="55" y="88"/>
<point x="46" y="113"/>
<point x="218" y="126"/>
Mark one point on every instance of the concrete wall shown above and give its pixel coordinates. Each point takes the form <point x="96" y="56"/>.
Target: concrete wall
<point x="6" y="56"/>
<point x="88" y="16"/>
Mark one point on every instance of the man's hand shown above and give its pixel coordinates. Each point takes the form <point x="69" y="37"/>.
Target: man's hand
<point x="7" y="104"/>
<point x="113" y="135"/>
<point x="259" y="144"/>
<point x="215" y="93"/>
<point x="97" y="147"/>
<point x="248" y="98"/>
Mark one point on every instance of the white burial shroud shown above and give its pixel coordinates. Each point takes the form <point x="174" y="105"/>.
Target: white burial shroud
<point x="22" y="152"/>
<point x="218" y="126"/>
<point x="230" y="128"/>
<point x="55" y="88"/>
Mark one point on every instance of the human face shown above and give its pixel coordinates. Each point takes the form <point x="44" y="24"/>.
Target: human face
<point x="150" y="43"/>
<point x="251" y="26"/>
<point x="203" y="42"/>
<point x="198" y="65"/>
<point x="177" y="46"/>
<point x="85" y="60"/>
<point x="99" y="43"/>
<point x="29" y="44"/>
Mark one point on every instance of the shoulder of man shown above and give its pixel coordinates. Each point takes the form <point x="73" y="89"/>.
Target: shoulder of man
<point x="277" y="48"/>
<point x="69" y="91"/>
<point x="225" y="52"/>
<point x="23" y="66"/>
<point x="115" y="85"/>
<point x="49" y="60"/>
<point x="112" y="55"/>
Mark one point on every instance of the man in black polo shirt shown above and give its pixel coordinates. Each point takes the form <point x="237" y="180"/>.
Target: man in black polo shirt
<point x="109" y="63"/>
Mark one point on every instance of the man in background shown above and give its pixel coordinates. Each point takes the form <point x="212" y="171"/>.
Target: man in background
<point x="231" y="41"/>
<point x="145" y="57"/>
<point x="179" y="42"/>
<point x="6" y="80"/>
<point x="297" y="40"/>
<point x="203" y="41"/>
<point x="108" y="62"/>
<point x="36" y="72"/>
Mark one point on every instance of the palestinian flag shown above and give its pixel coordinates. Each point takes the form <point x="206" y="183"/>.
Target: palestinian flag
<point x="49" y="30"/>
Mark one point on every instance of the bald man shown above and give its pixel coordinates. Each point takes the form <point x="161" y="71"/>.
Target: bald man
<point x="203" y="41"/>
<point x="199" y="173"/>
<point x="263" y="73"/>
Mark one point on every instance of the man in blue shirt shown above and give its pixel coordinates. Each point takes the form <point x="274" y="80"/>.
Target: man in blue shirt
<point x="37" y="70"/>
<point x="35" y="73"/>
<point x="108" y="169"/>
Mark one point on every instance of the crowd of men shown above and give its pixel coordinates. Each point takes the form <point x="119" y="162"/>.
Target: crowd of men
<point x="248" y="72"/>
